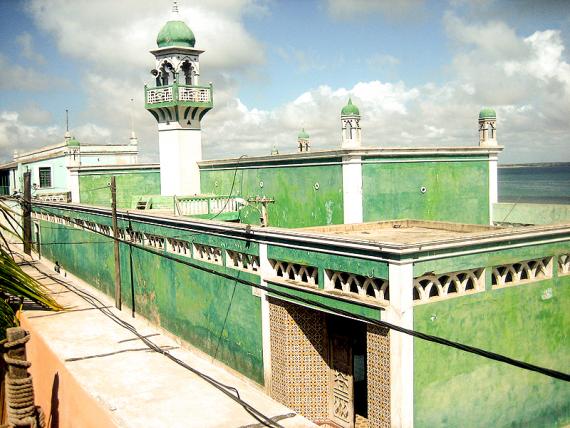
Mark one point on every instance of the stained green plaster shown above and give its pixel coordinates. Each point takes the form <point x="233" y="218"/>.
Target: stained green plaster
<point x="218" y="316"/>
<point x="456" y="389"/>
<point x="454" y="191"/>
<point x="297" y="202"/>
<point x="490" y="258"/>
<point x="93" y="190"/>
<point x="531" y="213"/>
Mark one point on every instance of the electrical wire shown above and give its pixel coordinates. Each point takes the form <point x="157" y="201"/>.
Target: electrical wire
<point x="230" y="391"/>
<point x="427" y="337"/>
<point x="231" y="189"/>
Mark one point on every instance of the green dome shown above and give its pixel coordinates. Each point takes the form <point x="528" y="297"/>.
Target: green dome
<point x="487" y="113"/>
<point x="175" y="33"/>
<point x="73" y="142"/>
<point x="350" y="109"/>
<point x="303" y="135"/>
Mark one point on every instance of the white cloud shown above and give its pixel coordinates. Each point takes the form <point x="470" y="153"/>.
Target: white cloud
<point x="25" y="43"/>
<point x="26" y="78"/>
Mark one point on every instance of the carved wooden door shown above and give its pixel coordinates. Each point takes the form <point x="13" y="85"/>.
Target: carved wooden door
<point x="341" y="396"/>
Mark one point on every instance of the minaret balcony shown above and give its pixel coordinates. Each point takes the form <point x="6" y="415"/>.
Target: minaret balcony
<point x="178" y="94"/>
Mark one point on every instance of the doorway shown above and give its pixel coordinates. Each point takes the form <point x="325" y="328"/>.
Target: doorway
<point x="348" y="401"/>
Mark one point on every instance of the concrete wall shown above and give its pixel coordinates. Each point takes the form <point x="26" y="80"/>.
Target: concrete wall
<point x="521" y="213"/>
<point x="298" y="202"/>
<point x="528" y="322"/>
<point x="92" y="188"/>
<point x="455" y="190"/>
<point x="216" y="315"/>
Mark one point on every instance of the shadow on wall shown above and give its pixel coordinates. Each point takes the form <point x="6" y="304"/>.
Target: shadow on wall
<point x="54" y="408"/>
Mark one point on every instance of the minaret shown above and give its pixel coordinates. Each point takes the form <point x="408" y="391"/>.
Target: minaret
<point x="350" y="119"/>
<point x="487" y="127"/>
<point x="133" y="141"/>
<point x="178" y="104"/>
<point x="303" y="142"/>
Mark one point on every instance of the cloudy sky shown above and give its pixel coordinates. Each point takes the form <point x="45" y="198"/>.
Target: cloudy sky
<point x="419" y="70"/>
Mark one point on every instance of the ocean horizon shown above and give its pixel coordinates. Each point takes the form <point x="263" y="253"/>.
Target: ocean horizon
<point x="547" y="183"/>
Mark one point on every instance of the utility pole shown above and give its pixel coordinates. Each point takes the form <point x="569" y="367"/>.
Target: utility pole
<point x="27" y="213"/>
<point x="116" y="243"/>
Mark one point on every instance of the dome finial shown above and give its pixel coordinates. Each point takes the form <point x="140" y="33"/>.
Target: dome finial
<point x="175" y="8"/>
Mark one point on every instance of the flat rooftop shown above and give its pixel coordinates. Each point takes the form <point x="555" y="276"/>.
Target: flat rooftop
<point x="404" y="231"/>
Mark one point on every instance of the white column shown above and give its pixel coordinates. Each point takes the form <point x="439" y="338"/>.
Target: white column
<point x="74" y="186"/>
<point x="352" y="189"/>
<point x="493" y="185"/>
<point x="401" y="313"/>
<point x="265" y="271"/>
<point x="180" y="150"/>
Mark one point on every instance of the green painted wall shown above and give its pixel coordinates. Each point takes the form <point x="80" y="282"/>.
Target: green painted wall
<point x="456" y="191"/>
<point x="297" y="202"/>
<point x="453" y="388"/>
<point x="531" y="213"/>
<point x="92" y="188"/>
<point x="216" y="315"/>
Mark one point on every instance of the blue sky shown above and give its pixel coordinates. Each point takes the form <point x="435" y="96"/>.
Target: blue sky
<point x="419" y="71"/>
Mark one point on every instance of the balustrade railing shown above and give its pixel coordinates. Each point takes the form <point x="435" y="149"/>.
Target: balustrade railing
<point x="178" y="92"/>
<point x="202" y="205"/>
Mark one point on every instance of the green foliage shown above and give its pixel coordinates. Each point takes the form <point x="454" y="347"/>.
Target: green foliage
<point x="14" y="282"/>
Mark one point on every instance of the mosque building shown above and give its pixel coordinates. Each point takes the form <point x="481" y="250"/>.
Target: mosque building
<point x="337" y="242"/>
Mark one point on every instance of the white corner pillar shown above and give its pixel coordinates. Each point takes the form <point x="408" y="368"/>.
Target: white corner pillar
<point x="265" y="272"/>
<point x="74" y="186"/>
<point x="352" y="189"/>
<point x="401" y="313"/>
<point x="493" y="185"/>
<point x="180" y="151"/>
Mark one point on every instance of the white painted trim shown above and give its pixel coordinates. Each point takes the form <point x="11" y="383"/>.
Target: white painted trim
<point x="208" y="168"/>
<point x="265" y="270"/>
<point x="352" y="189"/>
<point x="74" y="187"/>
<point x="493" y="185"/>
<point x="401" y="312"/>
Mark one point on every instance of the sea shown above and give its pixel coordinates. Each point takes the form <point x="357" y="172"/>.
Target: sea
<point x="535" y="183"/>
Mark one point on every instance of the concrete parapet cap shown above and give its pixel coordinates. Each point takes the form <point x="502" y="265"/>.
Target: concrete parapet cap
<point x="451" y="237"/>
<point x="115" y="167"/>
<point x="387" y="152"/>
<point x="169" y="50"/>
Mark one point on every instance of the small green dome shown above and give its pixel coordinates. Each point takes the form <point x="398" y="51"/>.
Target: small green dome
<point x="303" y="135"/>
<point x="73" y="142"/>
<point x="175" y="33"/>
<point x="487" y="113"/>
<point x="350" y="109"/>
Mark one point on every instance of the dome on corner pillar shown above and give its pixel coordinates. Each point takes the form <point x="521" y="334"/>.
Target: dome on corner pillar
<point x="73" y="142"/>
<point x="303" y="135"/>
<point x="175" y="33"/>
<point x="350" y="109"/>
<point x="487" y="113"/>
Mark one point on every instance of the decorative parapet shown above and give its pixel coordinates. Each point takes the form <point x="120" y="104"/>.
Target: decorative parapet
<point x="154" y="241"/>
<point x="54" y="197"/>
<point x="357" y="285"/>
<point x="186" y="95"/>
<point x="242" y="261"/>
<point x="564" y="264"/>
<point x="205" y="205"/>
<point x="180" y="247"/>
<point x="522" y="272"/>
<point x="428" y="288"/>
<point x="301" y="274"/>
<point x="208" y="254"/>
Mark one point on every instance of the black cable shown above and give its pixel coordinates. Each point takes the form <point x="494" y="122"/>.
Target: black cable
<point x="228" y="390"/>
<point x="231" y="189"/>
<point x="427" y="337"/>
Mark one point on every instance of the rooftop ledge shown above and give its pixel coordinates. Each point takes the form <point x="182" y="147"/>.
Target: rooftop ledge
<point x="397" y="237"/>
<point x="387" y="152"/>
